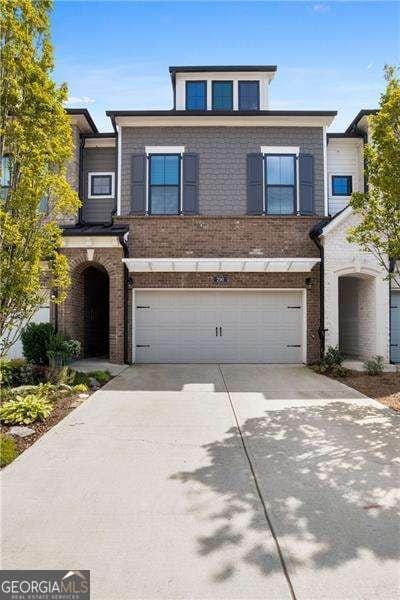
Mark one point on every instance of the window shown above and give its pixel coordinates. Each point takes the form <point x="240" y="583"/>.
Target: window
<point x="222" y="95"/>
<point x="5" y="176"/>
<point x="280" y="184"/>
<point x="249" y="95"/>
<point x="101" y="185"/>
<point x="43" y="207"/>
<point x="196" y="95"/>
<point x="341" y="185"/>
<point x="164" y="184"/>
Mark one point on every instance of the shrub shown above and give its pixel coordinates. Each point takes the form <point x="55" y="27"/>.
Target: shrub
<point x="17" y="371"/>
<point x="332" y="362"/>
<point x="8" y="450"/>
<point x="374" y="365"/>
<point x="80" y="377"/>
<point x="25" y="410"/>
<point x="61" y="375"/>
<point x="101" y="376"/>
<point x="35" y="339"/>
<point x="5" y="371"/>
<point x="62" y="349"/>
<point x="80" y="388"/>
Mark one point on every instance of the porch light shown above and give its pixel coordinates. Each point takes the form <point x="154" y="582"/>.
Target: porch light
<point x="309" y="283"/>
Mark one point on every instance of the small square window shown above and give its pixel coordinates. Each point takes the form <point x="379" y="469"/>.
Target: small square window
<point x="341" y="185"/>
<point x="101" y="185"/>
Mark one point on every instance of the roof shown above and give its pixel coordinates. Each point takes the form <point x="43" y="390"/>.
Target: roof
<point x="82" y="229"/>
<point x="86" y="114"/>
<point x="345" y="135"/>
<point x="364" y="112"/>
<point x="218" y="113"/>
<point x="220" y="69"/>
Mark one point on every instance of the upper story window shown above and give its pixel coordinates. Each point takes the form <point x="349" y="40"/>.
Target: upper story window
<point x="5" y="179"/>
<point x="342" y="185"/>
<point x="222" y="95"/>
<point x="249" y="95"/>
<point x="280" y="184"/>
<point x="196" y="95"/>
<point x="101" y="185"/>
<point x="164" y="184"/>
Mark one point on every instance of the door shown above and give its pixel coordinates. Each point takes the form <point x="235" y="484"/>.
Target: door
<point x="230" y="326"/>
<point x="395" y="327"/>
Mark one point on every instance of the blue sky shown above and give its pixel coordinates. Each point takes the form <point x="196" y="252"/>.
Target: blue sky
<point x="330" y="55"/>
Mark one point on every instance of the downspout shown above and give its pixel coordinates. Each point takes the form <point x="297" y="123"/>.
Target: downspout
<point x="80" y="178"/>
<point x="125" y="250"/>
<point x="321" y="330"/>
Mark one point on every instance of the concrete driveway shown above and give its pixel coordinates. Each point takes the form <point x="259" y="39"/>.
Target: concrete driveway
<point x="221" y="482"/>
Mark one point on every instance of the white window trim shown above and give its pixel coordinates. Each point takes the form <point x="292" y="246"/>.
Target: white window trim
<point x="164" y="150"/>
<point x="101" y="173"/>
<point x="282" y="150"/>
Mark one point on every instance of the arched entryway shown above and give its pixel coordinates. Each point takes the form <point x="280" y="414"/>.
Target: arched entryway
<point x="96" y="310"/>
<point x="357" y="315"/>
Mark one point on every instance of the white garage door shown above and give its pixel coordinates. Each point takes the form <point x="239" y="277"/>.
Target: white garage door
<point x="218" y="326"/>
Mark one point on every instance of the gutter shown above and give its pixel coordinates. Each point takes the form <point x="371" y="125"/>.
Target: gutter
<point x="80" y="178"/>
<point x="314" y="235"/>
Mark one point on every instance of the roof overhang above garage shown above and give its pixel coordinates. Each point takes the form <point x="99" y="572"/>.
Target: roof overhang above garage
<point x="225" y="265"/>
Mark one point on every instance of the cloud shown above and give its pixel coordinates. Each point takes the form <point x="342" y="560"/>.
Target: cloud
<point x="320" y="8"/>
<point x="371" y="64"/>
<point x="79" y="100"/>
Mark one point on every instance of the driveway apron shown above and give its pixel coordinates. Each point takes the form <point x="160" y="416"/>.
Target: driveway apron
<point x="212" y="482"/>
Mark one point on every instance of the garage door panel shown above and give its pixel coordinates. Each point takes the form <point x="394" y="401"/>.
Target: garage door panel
<point x="256" y="326"/>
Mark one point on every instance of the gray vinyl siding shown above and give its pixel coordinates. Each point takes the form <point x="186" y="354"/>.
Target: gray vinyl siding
<point x="98" y="210"/>
<point x="222" y="159"/>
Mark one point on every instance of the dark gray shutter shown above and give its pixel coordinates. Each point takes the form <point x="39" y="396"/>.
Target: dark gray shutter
<point x="138" y="188"/>
<point x="255" y="201"/>
<point x="190" y="181"/>
<point x="306" y="180"/>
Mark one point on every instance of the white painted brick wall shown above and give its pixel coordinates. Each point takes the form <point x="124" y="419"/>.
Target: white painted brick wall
<point x="343" y="258"/>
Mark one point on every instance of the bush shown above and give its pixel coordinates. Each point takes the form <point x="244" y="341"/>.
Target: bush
<point x="35" y="339"/>
<point x="61" y="349"/>
<point x="332" y="362"/>
<point x="81" y="378"/>
<point x="374" y="365"/>
<point x="25" y="410"/>
<point x="80" y="388"/>
<point x="17" y="371"/>
<point x="8" y="450"/>
<point x="101" y="376"/>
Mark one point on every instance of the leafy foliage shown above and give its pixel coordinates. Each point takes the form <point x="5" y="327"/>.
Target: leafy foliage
<point x="8" y="450"/>
<point x="332" y="362"/>
<point x="81" y="378"/>
<point x="25" y="410"/>
<point x="379" y="208"/>
<point x="101" y="376"/>
<point x="80" y="388"/>
<point x="374" y="365"/>
<point x="17" y="371"/>
<point x="35" y="133"/>
<point x="62" y="349"/>
<point x="35" y="339"/>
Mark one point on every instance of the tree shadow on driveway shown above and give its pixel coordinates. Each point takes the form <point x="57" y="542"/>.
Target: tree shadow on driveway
<point x="327" y="473"/>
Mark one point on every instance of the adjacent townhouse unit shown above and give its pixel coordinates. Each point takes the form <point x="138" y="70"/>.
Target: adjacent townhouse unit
<point x="216" y="231"/>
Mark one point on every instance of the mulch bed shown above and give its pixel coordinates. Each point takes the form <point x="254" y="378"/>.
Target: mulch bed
<point x="384" y="387"/>
<point x="62" y="407"/>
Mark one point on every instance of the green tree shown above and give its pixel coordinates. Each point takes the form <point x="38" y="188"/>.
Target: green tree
<point x="36" y="145"/>
<point x="379" y="208"/>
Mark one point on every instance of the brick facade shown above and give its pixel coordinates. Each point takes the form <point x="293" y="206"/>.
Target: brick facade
<point x="71" y="312"/>
<point x="183" y="236"/>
